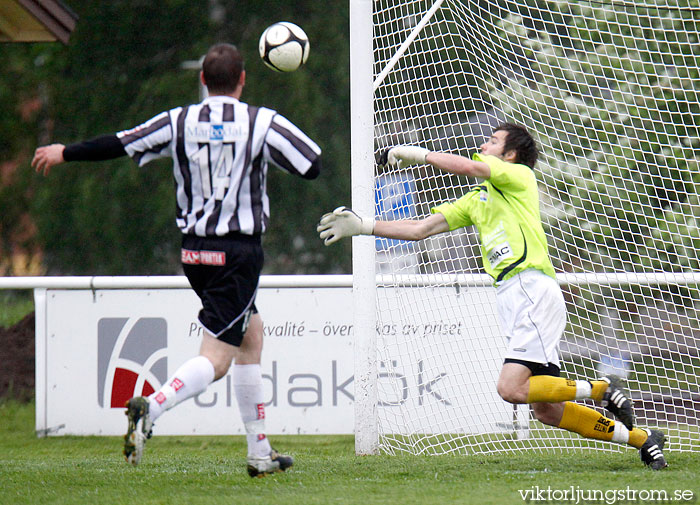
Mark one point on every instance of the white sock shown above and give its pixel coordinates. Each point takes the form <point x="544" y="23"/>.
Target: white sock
<point x="189" y="380"/>
<point x="621" y="433"/>
<point x="247" y="380"/>
<point x="583" y="390"/>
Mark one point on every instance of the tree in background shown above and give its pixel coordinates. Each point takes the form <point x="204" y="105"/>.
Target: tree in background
<point x="612" y="93"/>
<point x="124" y="65"/>
<point x="615" y="107"/>
<point x="20" y="102"/>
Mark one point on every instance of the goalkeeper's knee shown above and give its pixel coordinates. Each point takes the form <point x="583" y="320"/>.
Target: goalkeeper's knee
<point x="511" y="392"/>
<point x="548" y="413"/>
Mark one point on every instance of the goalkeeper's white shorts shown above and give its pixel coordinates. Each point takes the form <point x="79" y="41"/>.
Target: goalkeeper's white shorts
<point x="532" y="314"/>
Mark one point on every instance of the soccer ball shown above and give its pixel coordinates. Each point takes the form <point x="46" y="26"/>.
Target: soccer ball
<point x="284" y="47"/>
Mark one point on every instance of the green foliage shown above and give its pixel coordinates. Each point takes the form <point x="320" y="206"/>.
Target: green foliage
<point x="123" y="66"/>
<point x="19" y="102"/>
<point x="614" y="105"/>
<point x="14" y="306"/>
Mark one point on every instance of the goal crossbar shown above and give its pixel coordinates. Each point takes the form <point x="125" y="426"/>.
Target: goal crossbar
<point x="564" y="279"/>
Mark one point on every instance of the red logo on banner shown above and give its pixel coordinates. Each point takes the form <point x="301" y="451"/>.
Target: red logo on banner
<point x="160" y="398"/>
<point x="125" y="346"/>
<point x="124" y="385"/>
<point x="261" y="437"/>
<point x="261" y="411"/>
<point x="177" y="384"/>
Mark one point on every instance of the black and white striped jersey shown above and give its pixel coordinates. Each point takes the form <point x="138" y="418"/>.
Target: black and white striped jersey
<point x="221" y="148"/>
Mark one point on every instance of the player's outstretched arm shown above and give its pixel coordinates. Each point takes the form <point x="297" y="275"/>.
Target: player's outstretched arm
<point x="46" y="157"/>
<point x="104" y="147"/>
<point x="344" y="222"/>
<point x="403" y="156"/>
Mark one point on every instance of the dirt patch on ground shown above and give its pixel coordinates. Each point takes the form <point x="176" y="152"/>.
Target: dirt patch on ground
<point x="17" y="360"/>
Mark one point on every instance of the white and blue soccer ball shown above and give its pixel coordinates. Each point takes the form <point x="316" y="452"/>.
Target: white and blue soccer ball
<point x="284" y="47"/>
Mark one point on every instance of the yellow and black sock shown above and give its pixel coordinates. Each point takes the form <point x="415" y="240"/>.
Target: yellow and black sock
<point x="637" y="438"/>
<point x="590" y="424"/>
<point x="548" y="389"/>
<point x="598" y="388"/>
<point x="586" y="422"/>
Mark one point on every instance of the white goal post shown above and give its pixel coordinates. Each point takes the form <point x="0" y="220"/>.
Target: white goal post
<point x="611" y="91"/>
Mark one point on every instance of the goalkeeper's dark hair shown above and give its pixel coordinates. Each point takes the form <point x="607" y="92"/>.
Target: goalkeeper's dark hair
<point x="222" y="68"/>
<point x="518" y="139"/>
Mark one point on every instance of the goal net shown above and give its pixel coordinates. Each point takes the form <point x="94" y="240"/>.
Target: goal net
<point x="610" y="89"/>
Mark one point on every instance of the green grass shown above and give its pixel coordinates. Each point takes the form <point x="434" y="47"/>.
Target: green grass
<point x="211" y="470"/>
<point x="14" y="305"/>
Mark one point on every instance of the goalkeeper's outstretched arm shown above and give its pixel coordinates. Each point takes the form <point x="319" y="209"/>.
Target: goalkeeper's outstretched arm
<point x="411" y="229"/>
<point x="344" y="222"/>
<point x="404" y="156"/>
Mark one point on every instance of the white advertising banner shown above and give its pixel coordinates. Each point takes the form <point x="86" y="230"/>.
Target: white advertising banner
<point x="98" y="348"/>
<point x="439" y="363"/>
<point x="103" y="347"/>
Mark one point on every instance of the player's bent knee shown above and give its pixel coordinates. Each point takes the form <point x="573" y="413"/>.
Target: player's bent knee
<point x="221" y="368"/>
<point x="543" y="417"/>
<point x="547" y="413"/>
<point x="511" y="394"/>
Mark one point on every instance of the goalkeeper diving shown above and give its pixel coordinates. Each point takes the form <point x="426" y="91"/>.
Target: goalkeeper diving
<point x="504" y="207"/>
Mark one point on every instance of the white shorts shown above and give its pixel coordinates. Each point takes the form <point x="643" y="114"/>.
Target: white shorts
<point x="532" y="314"/>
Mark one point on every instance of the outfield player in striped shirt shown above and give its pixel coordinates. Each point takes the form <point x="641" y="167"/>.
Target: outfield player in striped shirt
<point x="221" y="149"/>
<point x="505" y="210"/>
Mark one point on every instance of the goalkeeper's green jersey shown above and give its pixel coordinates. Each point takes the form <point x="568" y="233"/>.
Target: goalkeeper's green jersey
<point x="505" y="210"/>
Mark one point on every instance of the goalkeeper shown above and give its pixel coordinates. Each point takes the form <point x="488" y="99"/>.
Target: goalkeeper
<point x="531" y="309"/>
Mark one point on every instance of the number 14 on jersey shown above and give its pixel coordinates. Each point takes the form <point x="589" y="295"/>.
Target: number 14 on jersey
<point x="217" y="179"/>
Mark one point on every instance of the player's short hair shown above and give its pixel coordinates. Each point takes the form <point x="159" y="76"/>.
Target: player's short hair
<point x="222" y="68"/>
<point x="519" y="140"/>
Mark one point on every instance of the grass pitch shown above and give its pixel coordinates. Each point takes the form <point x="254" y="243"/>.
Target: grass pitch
<point x="211" y="470"/>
